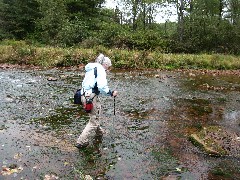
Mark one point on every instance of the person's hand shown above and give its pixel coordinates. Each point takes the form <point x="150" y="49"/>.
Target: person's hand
<point x="114" y="93"/>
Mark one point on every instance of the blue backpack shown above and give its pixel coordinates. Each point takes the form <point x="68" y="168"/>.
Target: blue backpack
<point x="77" y="97"/>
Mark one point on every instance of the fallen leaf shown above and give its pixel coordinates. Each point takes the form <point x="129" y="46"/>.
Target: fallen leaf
<point x="17" y="156"/>
<point x="66" y="163"/>
<point x="178" y="169"/>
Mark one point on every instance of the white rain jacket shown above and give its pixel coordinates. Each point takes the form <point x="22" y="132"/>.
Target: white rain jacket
<point x="90" y="80"/>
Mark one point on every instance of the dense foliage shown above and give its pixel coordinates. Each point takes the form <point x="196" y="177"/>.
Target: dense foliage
<point x="209" y="26"/>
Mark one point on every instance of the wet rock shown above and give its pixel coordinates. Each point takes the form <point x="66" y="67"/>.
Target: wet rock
<point x="51" y="177"/>
<point x="2" y="127"/>
<point x="192" y="75"/>
<point x="88" y="177"/>
<point x="217" y="141"/>
<point x="196" y="140"/>
<point x="161" y="77"/>
<point x="64" y="76"/>
<point x="52" y="79"/>
<point x="12" y="169"/>
<point x="13" y="166"/>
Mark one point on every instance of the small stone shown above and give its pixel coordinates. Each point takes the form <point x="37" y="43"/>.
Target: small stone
<point x="52" y="79"/>
<point x="88" y="177"/>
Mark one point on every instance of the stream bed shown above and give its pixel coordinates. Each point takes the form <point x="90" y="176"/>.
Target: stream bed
<point x="147" y="138"/>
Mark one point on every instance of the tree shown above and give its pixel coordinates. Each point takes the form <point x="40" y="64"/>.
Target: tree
<point x="234" y="11"/>
<point x="18" y="17"/>
<point x="68" y="22"/>
<point x="139" y="13"/>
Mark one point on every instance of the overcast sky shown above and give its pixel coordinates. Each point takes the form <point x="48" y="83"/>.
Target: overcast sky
<point x="159" y="18"/>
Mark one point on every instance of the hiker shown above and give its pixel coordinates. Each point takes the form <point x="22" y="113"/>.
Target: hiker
<point x="94" y="83"/>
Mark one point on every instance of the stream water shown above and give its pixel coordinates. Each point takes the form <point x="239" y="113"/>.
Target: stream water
<point x="147" y="138"/>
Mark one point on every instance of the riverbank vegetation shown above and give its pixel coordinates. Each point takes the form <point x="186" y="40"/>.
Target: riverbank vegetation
<point x="69" y="32"/>
<point x="19" y="52"/>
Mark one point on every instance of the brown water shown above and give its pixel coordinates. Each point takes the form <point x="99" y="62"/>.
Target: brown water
<point x="156" y="111"/>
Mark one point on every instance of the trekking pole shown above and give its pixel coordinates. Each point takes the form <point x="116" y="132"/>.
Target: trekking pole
<point x="114" y="106"/>
<point x="113" y="118"/>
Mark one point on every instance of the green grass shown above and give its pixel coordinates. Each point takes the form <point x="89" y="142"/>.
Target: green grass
<point x="19" y="52"/>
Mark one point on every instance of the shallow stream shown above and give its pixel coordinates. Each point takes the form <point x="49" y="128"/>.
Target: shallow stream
<point x="147" y="138"/>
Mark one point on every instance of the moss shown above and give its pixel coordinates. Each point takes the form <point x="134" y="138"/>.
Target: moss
<point x="208" y="143"/>
<point x="221" y="173"/>
<point x="200" y="143"/>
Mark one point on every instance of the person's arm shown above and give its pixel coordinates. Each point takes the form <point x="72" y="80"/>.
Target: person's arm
<point x="102" y="83"/>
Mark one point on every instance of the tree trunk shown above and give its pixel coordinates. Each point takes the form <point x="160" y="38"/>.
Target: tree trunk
<point x="180" y="20"/>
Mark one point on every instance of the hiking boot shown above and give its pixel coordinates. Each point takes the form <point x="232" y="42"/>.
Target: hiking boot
<point x="81" y="146"/>
<point x="99" y="131"/>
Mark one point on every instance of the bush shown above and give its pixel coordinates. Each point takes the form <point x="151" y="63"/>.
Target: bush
<point x="140" y="40"/>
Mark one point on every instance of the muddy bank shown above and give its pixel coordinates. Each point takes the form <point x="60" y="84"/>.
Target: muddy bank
<point x="148" y="138"/>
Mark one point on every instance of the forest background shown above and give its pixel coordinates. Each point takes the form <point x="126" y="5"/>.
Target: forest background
<point x="69" y="32"/>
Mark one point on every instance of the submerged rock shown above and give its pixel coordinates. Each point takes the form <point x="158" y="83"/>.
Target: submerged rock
<point x="217" y="141"/>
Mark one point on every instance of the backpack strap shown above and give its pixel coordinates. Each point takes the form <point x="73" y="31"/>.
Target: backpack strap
<point x="95" y="72"/>
<point x="95" y="89"/>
